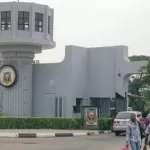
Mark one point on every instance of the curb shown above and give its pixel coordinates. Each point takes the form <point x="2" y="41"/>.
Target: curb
<point x="49" y="135"/>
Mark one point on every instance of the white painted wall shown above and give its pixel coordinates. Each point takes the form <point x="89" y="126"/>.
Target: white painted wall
<point x="84" y="73"/>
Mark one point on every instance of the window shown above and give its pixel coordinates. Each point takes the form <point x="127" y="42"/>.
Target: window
<point x="23" y="20"/>
<point x="77" y="108"/>
<point x="6" y="20"/>
<point x="38" y="22"/>
<point x="95" y="102"/>
<point x="123" y="116"/>
<point x="49" y="18"/>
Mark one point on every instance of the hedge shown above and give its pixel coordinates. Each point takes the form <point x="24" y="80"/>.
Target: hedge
<point x="49" y="123"/>
<point x="40" y="123"/>
<point x="1" y="112"/>
<point x="105" y="124"/>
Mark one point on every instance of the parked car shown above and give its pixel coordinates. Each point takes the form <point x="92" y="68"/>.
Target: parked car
<point x="121" y="121"/>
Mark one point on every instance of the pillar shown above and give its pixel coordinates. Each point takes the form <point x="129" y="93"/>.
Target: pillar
<point x="17" y="99"/>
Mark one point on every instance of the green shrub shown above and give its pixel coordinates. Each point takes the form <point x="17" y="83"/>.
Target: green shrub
<point x="1" y="112"/>
<point x="49" y="123"/>
<point x="40" y="123"/>
<point x="105" y="123"/>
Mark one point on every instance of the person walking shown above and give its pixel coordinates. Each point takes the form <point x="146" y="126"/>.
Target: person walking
<point x="133" y="135"/>
<point x="147" y="132"/>
<point x="144" y="119"/>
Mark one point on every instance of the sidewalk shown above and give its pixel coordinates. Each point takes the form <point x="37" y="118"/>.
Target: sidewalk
<point x="47" y="133"/>
<point x="43" y="131"/>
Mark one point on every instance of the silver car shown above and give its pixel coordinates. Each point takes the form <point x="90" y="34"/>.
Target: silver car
<point x="121" y="121"/>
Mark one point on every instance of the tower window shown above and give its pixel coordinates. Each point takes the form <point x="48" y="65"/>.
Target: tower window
<point x="23" y="20"/>
<point x="38" y="22"/>
<point x="49" y="18"/>
<point x="6" y="20"/>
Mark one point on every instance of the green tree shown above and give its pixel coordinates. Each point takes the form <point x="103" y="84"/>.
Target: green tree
<point x="145" y="70"/>
<point x="139" y="85"/>
<point x="139" y="58"/>
<point x="135" y="86"/>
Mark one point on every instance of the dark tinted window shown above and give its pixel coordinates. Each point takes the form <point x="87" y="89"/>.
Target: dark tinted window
<point x="123" y="116"/>
<point x="38" y="22"/>
<point x="23" y="20"/>
<point x="6" y="20"/>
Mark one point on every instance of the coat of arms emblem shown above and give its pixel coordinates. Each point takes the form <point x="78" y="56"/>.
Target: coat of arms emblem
<point x="91" y="116"/>
<point x="7" y="77"/>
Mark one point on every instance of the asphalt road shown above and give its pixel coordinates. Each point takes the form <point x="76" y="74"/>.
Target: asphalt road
<point x="98" y="142"/>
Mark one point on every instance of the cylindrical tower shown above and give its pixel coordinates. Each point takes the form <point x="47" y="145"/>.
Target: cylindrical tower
<point x="25" y="29"/>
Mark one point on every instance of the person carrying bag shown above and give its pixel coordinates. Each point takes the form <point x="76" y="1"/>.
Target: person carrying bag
<point x="134" y="134"/>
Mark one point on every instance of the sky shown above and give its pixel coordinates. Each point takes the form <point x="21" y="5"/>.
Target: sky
<point x="96" y="23"/>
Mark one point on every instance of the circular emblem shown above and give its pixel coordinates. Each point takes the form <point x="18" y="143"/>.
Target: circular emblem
<point x="7" y="76"/>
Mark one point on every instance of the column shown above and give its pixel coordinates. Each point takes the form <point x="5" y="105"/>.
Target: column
<point x="17" y="99"/>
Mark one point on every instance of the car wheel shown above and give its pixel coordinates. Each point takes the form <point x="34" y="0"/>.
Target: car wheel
<point x="117" y="133"/>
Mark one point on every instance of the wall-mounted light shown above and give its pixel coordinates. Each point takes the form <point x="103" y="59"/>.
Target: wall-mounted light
<point x="119" y="74"/>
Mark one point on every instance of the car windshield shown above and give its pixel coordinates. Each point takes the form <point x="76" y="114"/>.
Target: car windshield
<point x="123" y="116"/>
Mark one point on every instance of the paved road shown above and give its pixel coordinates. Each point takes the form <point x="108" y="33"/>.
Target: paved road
<point x="99" y="142"/>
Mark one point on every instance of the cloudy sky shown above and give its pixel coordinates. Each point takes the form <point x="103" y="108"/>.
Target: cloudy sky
<point x="94" y="23"/>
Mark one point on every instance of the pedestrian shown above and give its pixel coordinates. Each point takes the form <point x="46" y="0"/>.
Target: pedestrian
<point x="144" y="119"/>
<point x="133" y="136"/>
<point x="147" y="132"/>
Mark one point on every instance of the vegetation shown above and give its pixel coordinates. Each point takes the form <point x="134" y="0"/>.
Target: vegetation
<point x="40" y="123"/>
<point x="1" y="112"/>
<point x="139" y="85"/>
<point x="139" y="58"/>
<point x="49" y="123"/>
<point x="105" y="124"/>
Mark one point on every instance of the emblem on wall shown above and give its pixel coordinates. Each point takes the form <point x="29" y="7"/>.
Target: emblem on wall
<point x="7" y="76"/>
<point x="91" y="116"/>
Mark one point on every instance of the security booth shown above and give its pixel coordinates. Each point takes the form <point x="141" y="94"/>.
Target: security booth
<point x="90" y="115"/>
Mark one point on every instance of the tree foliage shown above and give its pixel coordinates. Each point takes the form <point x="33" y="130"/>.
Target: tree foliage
<point x="139" y="58"/>
<point x="139" y="85"/>
<point x="135" y="86"/>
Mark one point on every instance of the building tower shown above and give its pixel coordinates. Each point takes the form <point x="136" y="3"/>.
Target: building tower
<point x="25" y="29"/>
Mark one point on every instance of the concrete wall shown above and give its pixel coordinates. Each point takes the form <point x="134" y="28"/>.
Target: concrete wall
<point x="84" y="73"/>
<point x="125" y="68"/>
<point x="52" y="78"/>
<point x="66" y="79"/>
<point x="79" y="72"/>
<point x="105" y="65"/>
<point x="101" y="79"/>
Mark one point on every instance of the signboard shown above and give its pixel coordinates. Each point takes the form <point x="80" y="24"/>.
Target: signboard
<point x="91" y="116"/>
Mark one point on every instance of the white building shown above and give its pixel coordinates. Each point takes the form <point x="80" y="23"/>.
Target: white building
<point x="87" y="76"/>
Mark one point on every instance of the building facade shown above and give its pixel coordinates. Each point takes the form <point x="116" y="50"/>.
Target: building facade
<point x="86" y="77"/>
